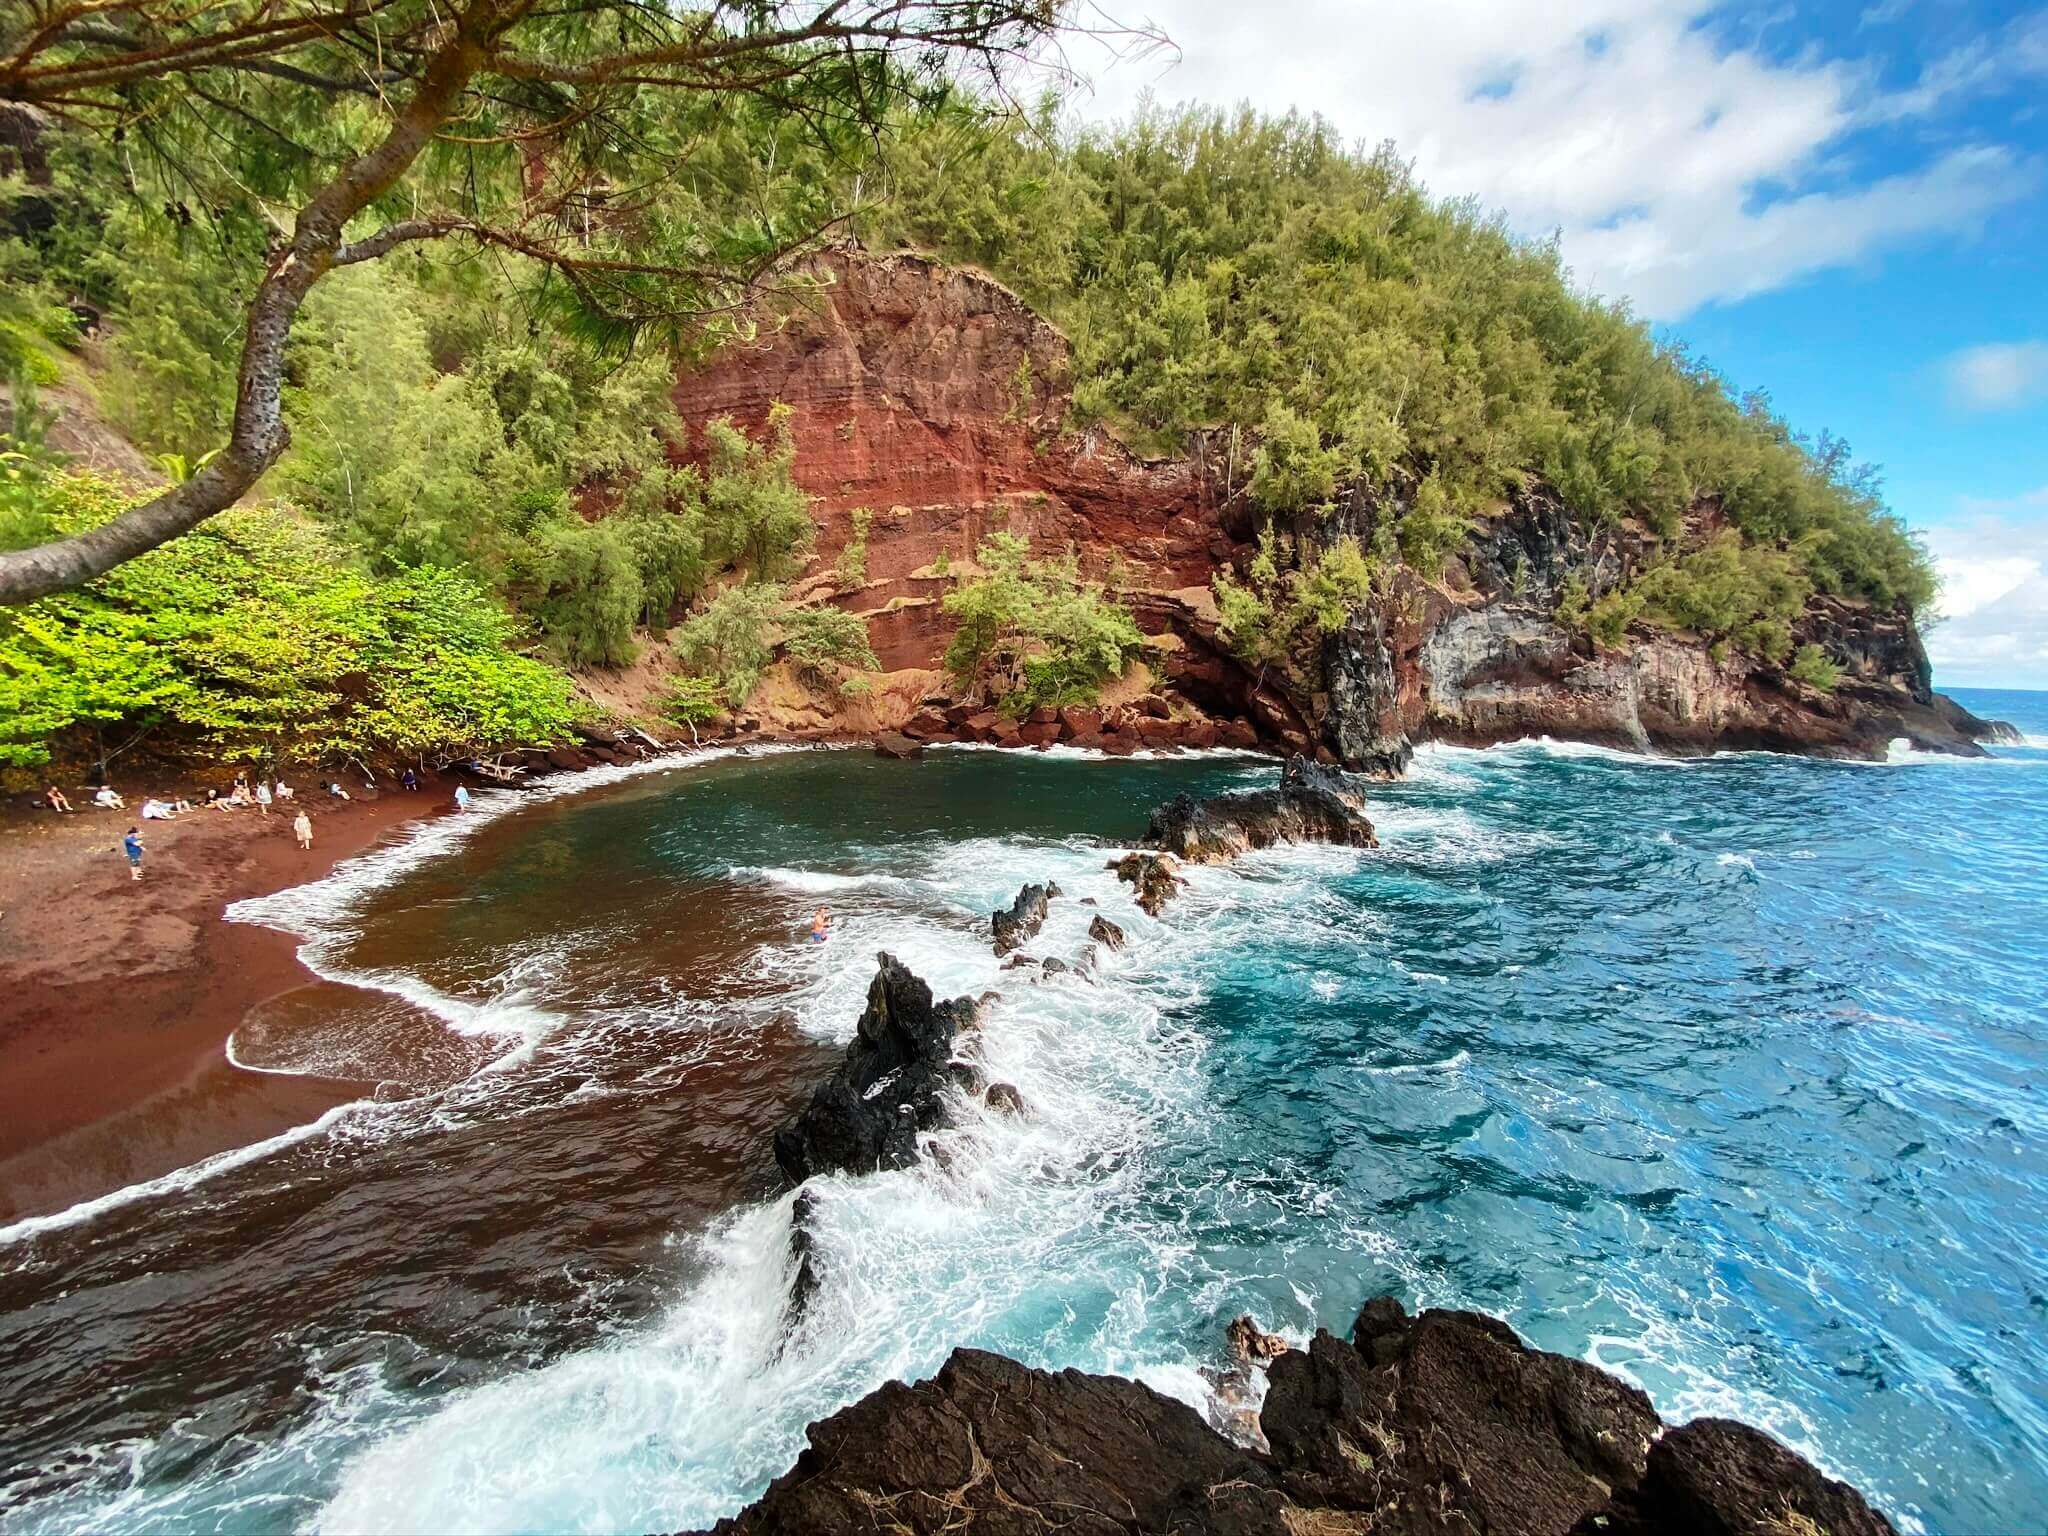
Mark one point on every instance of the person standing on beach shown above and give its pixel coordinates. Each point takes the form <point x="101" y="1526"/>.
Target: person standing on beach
<point x="132" y="846"/>
<point x="302" y="829"/>
<point x="263" y="796"/>
<point x="462" y="797"/>
<point x="821" y="926"/>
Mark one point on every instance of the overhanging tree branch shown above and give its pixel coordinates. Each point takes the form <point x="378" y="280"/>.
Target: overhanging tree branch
<point x="554" y="107"/>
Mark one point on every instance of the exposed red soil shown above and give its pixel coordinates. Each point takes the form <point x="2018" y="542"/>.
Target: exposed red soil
<point x="117" y="997"/>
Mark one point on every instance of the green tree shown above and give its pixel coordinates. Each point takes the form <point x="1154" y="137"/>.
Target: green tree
<point x="1059" y="635"/>
<point x="360" y="130"/>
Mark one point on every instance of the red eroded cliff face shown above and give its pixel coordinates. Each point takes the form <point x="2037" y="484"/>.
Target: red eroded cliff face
<point x="934" y="398"/>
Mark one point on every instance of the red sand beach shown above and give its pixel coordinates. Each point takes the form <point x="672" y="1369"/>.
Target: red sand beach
<point x="117" y="997"/>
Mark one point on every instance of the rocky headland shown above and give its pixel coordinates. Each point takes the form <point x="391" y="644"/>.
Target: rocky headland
<point x="1444" y="1422"/>
<point x="929" y="410"/>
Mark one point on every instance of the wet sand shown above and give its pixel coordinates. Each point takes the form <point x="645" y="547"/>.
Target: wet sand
<point x="117" y="997"/>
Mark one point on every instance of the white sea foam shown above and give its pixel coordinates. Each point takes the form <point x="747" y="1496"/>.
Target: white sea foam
<point x="319" y="913"/>
<point x="182" y="1180"/>
<point x="1450" y="1063"/>
<point x="980" y="1241"/>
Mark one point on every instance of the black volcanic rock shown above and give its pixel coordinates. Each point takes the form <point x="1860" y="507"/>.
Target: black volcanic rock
<point x="1443" y="1423"/>
<point x="1152" y="876"/>
<point x="1106" y="933"/>
<point x="1313" y="804"/>
<point x="890" y="1085"/>
<point x="1025" y="917"/>
<point x="1714" y="1477"/>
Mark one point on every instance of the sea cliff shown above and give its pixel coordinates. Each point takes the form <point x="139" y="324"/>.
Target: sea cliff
<point x="930" y="409"/>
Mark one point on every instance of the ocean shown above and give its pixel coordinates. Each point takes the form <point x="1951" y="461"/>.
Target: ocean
<point x="1725" y="1074"/>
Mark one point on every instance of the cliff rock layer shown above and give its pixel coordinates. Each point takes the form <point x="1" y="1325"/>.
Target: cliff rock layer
<point x="928" y="406"/>
<point x="1437" y="1424"/>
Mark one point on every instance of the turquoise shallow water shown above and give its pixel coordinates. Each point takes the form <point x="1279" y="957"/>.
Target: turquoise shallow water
<point x="1724" y="1074"/>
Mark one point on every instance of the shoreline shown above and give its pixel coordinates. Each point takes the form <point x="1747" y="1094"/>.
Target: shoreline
<point x="117" y="998"/>
<point x="114" y="1068"/>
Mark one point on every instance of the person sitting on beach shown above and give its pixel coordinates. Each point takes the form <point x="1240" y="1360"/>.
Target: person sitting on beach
<point x="181" y="804"/>
<point x="302" y="829"/>
<point x="821" y="924"/>
<point x="241" y="795"/>
<point x="132" y="846"/>
<point x="217" y="801"/>
<point x="334" y="789"/>
<point x="107" y="800"/>
<point x="284" y="790"/>
<point x="56" y="800"/>
<point x="154" y="809"/>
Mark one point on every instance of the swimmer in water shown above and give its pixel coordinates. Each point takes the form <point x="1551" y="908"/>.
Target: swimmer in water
<point x="821" y="922"/>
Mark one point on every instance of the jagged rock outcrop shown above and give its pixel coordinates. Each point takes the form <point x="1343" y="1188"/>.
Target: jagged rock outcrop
<point x="932" y="399"/>
<point x="1443" y="1423"/>
<point x="1314" y="804"/>
<point x="1015" y="927"/>
<point x="1152" y="876"/>
<point x="1105" y="933"/>
<point x="890" y="1086"/>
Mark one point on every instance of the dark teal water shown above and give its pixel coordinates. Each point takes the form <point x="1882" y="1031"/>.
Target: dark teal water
<point x="1724" y="1074"/>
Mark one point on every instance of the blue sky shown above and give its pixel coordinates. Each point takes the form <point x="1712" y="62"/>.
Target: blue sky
<point x="1845" y="205"/>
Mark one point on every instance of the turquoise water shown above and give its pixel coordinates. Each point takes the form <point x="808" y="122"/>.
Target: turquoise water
<point x="1724" y="1074"/>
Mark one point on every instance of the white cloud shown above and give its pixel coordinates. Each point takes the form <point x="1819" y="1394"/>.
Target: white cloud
<point x="1678" y="170"/>
<point x="1998" y="376"/>
<point x="1994" y="600"/>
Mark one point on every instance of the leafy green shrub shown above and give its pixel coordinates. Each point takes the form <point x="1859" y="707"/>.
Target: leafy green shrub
<point x="1432" y="529"/>
<point x="817" y="637"/>
<point x="1811" y="665"/>
<point x="585" y="590"/>
<point x="252" y="637"/>
<point x="1728" y="590"/>
<point x="729" y="640"/>
<point x="694" y="701"/>
<point x="1261" y="619"/>
<point x="1290" y="467"/>
<point x="754" y="513"/>
<point x="1064" y="636"/>
<point x="851" y="569"/>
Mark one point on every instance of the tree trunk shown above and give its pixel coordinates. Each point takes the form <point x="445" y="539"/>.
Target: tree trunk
<point x="259" y="434"/>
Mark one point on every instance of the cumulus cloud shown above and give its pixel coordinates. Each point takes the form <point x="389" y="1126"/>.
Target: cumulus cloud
<point x="1998" y="376"/>
<point x="1679" y="170"/>
<point x="1993" y="629"/>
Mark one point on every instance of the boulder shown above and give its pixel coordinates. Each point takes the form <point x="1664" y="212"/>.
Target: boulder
<point x="1026" y="915"/>
<point x="1004" y="1097"/>
<point x="1106" y="933"/>
<point x="1151" y="875"/>
<point x="896" y="744"/>
<point x="1314" y="804"/>
<point x="1714" y="1477"/>
<point x="889" y="1086"/>
<point x="982" y="727"/>
<point x="1237" y="733"/>
<point x="1040" y="733"/>
<point x="1081" y="721"/>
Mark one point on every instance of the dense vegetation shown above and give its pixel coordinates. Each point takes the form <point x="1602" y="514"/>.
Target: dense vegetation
<point x="1046" y="635"/>
<point x="1335" y="328"/>
<point x="254" y="639"/>
<point x="469" y="441"/>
